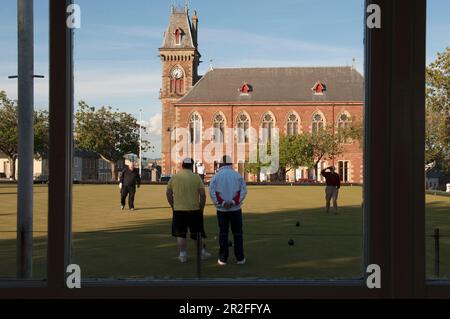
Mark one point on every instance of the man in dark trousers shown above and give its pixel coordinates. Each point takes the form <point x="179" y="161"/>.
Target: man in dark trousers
<point x="228" y="190"/>
<point x="129" y="179"/>
<point x="332" y="189"/>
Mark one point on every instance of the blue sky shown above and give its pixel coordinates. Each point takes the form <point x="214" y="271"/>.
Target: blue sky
<point x="116" y="52"/>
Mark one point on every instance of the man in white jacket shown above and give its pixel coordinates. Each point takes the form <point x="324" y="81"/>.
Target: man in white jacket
<point x="228" y="190"/>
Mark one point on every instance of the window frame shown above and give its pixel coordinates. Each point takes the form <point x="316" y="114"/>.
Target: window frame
<point x="394" y="220"/>
<point x="316" y="128"/>
<point x="243" y="137"/>
<point x="219" y="128"/>
<point x="194" y="137"/>
<point x="266" y="136"/>
<point x="292" y="126"/>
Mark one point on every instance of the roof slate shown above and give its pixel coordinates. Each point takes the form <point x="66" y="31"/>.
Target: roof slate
<point x="344" y="84"/>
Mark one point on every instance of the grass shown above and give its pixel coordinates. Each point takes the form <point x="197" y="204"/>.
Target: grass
<point x="109" y="243"/>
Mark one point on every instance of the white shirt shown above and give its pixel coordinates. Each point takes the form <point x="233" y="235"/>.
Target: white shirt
<point x="227" y="186"/>
<point x="201" y="170"/>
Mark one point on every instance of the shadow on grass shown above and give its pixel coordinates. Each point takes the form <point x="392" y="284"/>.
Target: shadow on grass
<point x="325" y="246"/>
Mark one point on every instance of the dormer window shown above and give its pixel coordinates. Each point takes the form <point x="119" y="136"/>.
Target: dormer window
<point x="319" y="88"/>
<point x="245" y="89"/>
<point x="178" y="34"/>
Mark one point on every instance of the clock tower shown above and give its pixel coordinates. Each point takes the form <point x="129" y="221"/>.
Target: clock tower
<point x="180" y="59"/>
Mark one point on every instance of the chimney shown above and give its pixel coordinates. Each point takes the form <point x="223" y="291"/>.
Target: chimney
<point x="195" y="27"/>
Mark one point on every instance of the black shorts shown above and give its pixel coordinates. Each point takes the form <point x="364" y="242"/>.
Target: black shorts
<point x="182" y="220"/>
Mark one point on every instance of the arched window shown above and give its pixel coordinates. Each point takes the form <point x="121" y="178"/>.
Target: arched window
<point x="318" y="123"/>
<point x="267" y="127"/>
<point x="343" y="123"/>
<point x="243" y="125"/>
<point x="219" y="128"/>
<point x="292" y="124"/>
<point x="195" y="128"/>
<point x="178" y="35"/>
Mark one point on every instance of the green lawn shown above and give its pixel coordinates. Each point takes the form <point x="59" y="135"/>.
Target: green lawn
<point x="110" y="243"/>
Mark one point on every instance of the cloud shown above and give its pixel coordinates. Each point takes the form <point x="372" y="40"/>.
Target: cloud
<point x="96" y="79"/>
<point x="154" y="125"/>
<point x="129" y="30"/>
<point x="153" y="134"/>
<point x="257" y="41"/>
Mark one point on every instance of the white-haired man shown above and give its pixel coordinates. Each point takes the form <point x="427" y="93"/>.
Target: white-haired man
<point x="228" y="190"/>
<point x="129" y="179"/>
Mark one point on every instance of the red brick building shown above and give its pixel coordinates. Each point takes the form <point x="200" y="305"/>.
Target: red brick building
<point x="227" y="104"/>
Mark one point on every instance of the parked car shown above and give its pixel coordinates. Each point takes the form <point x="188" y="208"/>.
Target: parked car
<point x="165" y="177"/>
<point x="307" y="181"/>
<point x="41" y="179"/>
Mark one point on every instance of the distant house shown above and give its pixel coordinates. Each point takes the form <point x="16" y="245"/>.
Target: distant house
<point x="4" y="166"/>
<point x="40" y="168"/>
<point x="435" y="179"/>
<point x="104" y="170"/>
<point x="85" y="166"/>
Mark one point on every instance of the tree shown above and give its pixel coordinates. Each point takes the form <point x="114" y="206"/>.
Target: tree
<point x="295" y="151"/>
<point x="327" y="143"/>
<point x="108" y="133"/>
<point x="256" y="167"/>
<point x="9" y="115"/>
<point x="437" y="138"/>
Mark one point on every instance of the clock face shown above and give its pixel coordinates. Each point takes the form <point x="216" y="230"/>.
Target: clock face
<point x="177" y="73"/>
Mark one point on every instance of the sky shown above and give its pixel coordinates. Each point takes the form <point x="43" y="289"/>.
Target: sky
<point x="116" y="48"/>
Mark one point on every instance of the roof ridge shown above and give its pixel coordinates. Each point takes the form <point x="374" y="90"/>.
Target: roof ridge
<point x="283" y="67"/>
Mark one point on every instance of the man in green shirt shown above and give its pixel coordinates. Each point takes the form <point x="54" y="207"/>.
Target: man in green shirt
<point x="186" y="195"/>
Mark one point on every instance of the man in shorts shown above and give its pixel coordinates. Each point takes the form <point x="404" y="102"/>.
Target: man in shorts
<point x="333" y="182"/>
<point x="186" y="195"/>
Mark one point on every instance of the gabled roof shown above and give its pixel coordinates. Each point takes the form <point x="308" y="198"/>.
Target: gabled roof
<point x="85" y="154"/>
<point x="178" y="19"/>
<point x="435" y="173"/>
<point x="344" y="84"/>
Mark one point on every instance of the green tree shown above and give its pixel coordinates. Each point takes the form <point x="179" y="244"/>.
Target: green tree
<point x="437" y="138"/>
<point x="329" y="143"/>
<point x="108" y="133"/>
<point x="9" y="115"/>
<point x="256" y="167"/>
<point x="295" y="151"/>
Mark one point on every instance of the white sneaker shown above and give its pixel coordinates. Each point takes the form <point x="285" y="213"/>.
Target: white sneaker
<point x="205" y="254"/>
<point x="183" y="258"/>
<point x="221" y="263"/>
<point x="243" y="261"/>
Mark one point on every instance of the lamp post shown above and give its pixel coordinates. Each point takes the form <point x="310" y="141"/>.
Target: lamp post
<point x="170" y="150"/>
<point x="140" y="142"/>
<point x="25" y="78"/>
